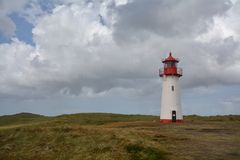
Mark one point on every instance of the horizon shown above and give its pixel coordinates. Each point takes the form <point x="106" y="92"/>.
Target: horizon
<point x="76" y="56"/>
<point x="13" y="114"/>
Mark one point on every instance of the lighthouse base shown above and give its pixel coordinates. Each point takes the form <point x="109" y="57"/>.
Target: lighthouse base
<point x="171" y="121"/>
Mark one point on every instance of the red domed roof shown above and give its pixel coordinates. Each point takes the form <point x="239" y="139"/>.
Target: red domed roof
<point x="170" y="58"/>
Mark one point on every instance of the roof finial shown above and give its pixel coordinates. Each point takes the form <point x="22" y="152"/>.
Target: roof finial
<point x="170" y="53"/>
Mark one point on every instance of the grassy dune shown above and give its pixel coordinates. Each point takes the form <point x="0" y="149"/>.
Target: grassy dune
<point x="93" y="136"/>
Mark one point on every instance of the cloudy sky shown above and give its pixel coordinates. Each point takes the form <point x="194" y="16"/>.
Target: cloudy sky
<point x="70" y="56"/>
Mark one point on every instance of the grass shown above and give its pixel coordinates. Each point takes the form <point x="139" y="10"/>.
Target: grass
<point x="138" y="152"/>
<point x="93" y="136"/>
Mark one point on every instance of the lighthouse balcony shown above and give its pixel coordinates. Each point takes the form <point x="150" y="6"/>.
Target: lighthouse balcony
<point x="165" y="59"/>
<point x="170" y="71"/>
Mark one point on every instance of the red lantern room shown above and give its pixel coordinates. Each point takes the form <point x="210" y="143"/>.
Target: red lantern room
<point x="170" y="67"/>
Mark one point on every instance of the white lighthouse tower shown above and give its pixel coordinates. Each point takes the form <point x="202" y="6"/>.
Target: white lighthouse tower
<point x="170" y="101"/>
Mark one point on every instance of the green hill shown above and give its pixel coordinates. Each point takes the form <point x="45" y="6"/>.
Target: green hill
<point x="106" y="136"/>
<point x="20" y="118"/>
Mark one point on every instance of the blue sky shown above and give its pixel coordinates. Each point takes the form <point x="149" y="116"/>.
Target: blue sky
<point x="23" y="30"/>
<point x="70" y="56"/>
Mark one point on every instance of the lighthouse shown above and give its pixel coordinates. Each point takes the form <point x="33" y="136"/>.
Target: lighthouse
<point x="170" y="100"/>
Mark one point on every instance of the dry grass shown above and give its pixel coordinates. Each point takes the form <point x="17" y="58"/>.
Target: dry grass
<point x="121" y="137"/>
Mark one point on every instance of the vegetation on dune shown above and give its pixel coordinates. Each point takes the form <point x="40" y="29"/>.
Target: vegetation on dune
<point x="103" y="136"/>
<point x="20" y="118"/>
<point x="213" y="118"/>
<point x="103" y="118"/>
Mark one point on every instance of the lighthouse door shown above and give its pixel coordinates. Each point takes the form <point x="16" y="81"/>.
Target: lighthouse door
<point x="174" y="116"/>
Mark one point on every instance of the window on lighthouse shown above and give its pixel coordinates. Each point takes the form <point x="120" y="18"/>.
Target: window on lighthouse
<point x="172" y="88"/>
<point x="170" y="64"/>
